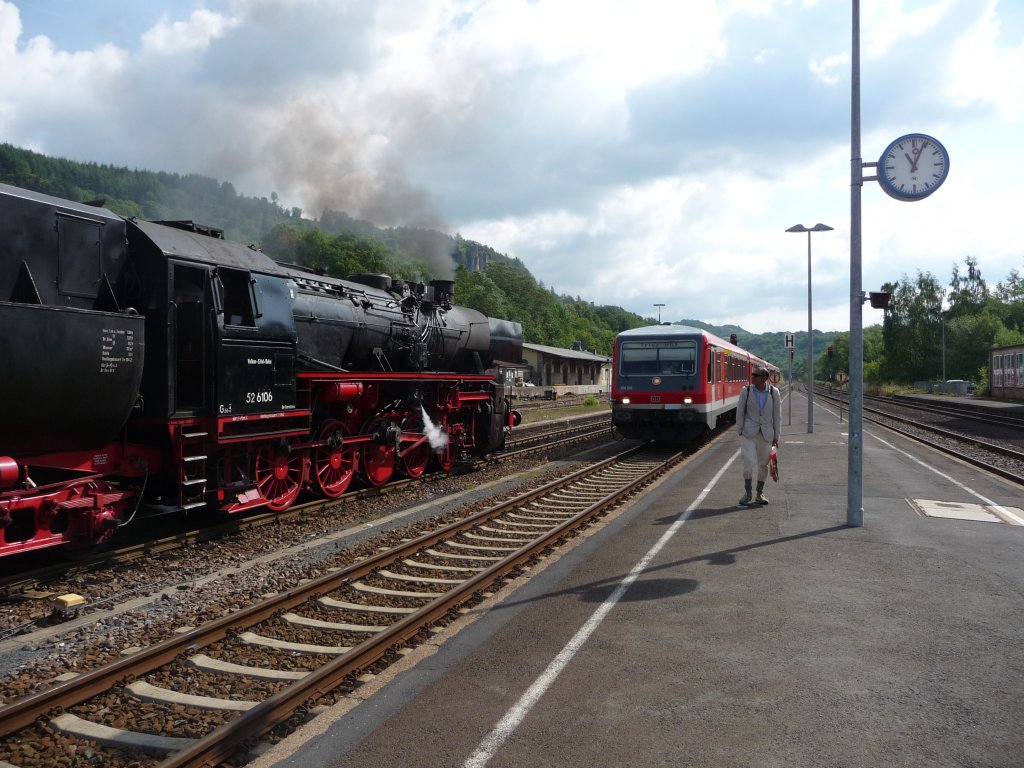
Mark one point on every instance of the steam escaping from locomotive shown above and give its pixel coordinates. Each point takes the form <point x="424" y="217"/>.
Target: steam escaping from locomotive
<point x="438" y="439"/>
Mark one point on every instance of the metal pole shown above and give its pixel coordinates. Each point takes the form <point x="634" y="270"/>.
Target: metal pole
<point x="855" y="457"/>
<point x="790" y="386"/>
<point x="942" y="319"/>
<point x="810" y="345"/>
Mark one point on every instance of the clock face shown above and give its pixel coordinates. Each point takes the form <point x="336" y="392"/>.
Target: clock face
<point x="913" y="167"/>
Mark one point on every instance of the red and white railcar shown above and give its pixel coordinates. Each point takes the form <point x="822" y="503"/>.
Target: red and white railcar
<point x="672" y="383"/>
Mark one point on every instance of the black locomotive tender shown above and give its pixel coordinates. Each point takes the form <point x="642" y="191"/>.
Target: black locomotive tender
<point x="160" y="365"/>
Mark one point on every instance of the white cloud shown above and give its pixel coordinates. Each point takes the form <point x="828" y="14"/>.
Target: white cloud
<point x="630" y="152"/>
<point x="184" y="38"/>
<point x="10" y="28"/>
<point x="887" y="23"/>
<point x="985" y="75"/>
<point x="832" y="69"/>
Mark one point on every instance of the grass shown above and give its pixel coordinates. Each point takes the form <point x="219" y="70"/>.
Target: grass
<point x="549" y="414"/>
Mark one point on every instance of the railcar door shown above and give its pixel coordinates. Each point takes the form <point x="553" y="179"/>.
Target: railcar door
<point x="720" y="370"/>
<point x="712" y="392"/>
<point x="188" y="340"/>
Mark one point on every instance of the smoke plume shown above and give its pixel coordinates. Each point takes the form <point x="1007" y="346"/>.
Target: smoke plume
<point x="335" y="166"/>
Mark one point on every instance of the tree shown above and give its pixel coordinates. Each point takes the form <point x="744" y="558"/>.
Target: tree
<point x="1012" y="290"/>
<point x="968" y="291"/>
<point x="1008" y="301"/>
<point x="912" y="329"/>
<point x="874" y="353"/>
<point x="968" y="339"/>
<point x="479" y="291"/>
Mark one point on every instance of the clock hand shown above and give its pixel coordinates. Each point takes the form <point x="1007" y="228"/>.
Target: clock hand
<point x="917" y="156"/>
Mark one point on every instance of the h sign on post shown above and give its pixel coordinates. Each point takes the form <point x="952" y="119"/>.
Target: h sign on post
<point x="790" y="341"/>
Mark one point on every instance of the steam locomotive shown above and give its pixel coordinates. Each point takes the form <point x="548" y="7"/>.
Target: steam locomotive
<point x="159" y="366"/>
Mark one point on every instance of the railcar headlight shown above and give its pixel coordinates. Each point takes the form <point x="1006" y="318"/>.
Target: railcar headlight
<point x="687" y="401"/>
<point x="625" y="401"/>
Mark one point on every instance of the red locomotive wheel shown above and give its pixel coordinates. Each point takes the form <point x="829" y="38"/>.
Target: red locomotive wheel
<point x="379" y="459"/>
<point x="415" y="448"/>
<point x="334" y="464"/>
<point x="279" y="476"/>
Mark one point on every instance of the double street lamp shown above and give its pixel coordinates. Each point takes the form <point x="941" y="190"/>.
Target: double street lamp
<point x="659" y="306"/>
<point x="810" y="342"/>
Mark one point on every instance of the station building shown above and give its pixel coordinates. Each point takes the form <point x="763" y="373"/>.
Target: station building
<point x="1006" y="372"/>
<point x="556" y="371"/>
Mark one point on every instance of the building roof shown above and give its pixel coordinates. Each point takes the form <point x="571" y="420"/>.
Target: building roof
<point x="568" y="354"/>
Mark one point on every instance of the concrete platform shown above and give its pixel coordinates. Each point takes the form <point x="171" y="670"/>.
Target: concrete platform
<point x="689" y="631"/>
<point x="979" y="404"/>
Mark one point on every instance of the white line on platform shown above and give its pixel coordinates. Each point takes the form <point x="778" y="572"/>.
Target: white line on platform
<point x="1017" y="519"/>
<point x="508" y="724"/>
<point x="987" y="501"/>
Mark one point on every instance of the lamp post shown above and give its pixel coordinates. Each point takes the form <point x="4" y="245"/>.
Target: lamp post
<point x="810" y="338"/>
<point x="659" y="306"/>
<point x="942" y="320"/>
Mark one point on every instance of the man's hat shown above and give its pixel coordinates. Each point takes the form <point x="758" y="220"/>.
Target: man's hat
<point x="759" y="370"/>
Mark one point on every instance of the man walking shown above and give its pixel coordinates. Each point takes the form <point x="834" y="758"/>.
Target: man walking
<point x="759" y="419"/>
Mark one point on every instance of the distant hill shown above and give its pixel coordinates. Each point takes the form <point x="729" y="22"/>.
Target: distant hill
<point x="161" y="196"/>
<point x="770" y="346"/>
<point x="341" y="245"/>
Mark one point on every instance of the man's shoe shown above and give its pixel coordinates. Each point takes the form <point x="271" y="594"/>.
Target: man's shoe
<point x="761" y="499"/>
<point x="745" y="500"/>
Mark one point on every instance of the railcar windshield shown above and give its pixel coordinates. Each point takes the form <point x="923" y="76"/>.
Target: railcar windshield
<point x="664" y="358"/>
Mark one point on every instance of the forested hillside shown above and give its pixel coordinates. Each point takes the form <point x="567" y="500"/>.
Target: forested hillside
<point x="146" y="194"/>
<point x="929" y="331"/>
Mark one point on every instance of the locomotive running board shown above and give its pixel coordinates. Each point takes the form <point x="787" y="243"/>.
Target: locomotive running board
<point x="236" y="429"/>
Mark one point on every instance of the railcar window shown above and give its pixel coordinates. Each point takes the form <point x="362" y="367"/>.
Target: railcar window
<point x="679" y="359"/>
<point x="648" y="358"/>
<point x="238" y="308"/>
<point x="732" y="369"/>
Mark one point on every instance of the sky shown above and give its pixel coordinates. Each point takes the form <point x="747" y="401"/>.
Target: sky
<point x="628" y="152"/>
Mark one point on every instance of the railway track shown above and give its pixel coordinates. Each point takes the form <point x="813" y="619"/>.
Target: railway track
<point x="958" y="410"/>
<point x="977" y="441"/>
<point x="545" y="437"/>
<point x="202" y="697"/>
<point x="559" y="432"/>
